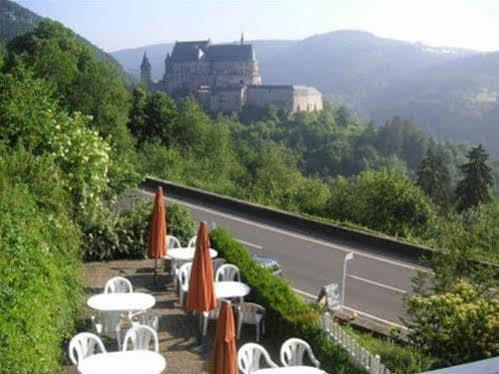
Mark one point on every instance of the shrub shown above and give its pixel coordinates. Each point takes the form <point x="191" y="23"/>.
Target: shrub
<point x="385" y="202"/>
<point x="125" y="235"/>
<point x="40" y="291"/>
<point x="287" y="314"/>
<point x="457" y="326"/>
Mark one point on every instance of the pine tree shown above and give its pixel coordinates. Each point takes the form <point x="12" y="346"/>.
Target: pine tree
<point x="473" y="189"/>
<point x="433" y="178"/>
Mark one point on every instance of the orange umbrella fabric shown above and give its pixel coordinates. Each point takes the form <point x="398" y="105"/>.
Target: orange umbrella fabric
<point x="201" y="296"/>
<point x="224" y="356"/>
<point x="157" y="236"/>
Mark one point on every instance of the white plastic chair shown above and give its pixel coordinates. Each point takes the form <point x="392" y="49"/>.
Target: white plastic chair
<point x="140" y="337"/>
<point x="184" y="275"/>
<point x="249" y="357"/>
<point x="217" y="262"/>
<point x="252" y="314"/>
<point x="84" y="345"/>
<point x="172" y="241"/>
<point x="192" y="242"/>
<point x="148" y="318"/>
<point x="293" y="351"/>
<point x="118" y="285"/>
<point x="227" y="272"/>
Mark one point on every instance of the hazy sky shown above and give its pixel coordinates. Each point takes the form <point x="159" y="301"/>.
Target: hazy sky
<point x="118" y="24"/>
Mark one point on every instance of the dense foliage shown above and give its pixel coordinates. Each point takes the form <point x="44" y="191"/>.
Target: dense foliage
<point x="125" y="235"/>
<point x="457" y="326"/>
<point x="474" y="188"/>
<point x="40" y="291"/>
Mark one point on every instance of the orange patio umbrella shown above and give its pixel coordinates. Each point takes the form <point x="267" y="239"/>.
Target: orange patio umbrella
<point x="201" y="296"/>
<point x="157" y="245"/>
<point x="224" y="357"/>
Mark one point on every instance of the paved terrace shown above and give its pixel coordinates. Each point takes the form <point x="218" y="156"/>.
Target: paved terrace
<point x="177" y="329"/>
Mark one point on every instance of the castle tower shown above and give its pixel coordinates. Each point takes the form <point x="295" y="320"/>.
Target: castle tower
<point x="145" y="71"/>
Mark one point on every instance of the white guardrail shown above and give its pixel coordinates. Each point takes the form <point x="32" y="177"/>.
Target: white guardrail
<point x="371" y="362"/>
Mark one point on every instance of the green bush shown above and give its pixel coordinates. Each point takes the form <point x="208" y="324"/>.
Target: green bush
<point x="125" y="235"/>
<point x="287" y="314"/>
<point x="457" y="326"/>
<point x="383" y="201"/>
<point x="40" y="290"/>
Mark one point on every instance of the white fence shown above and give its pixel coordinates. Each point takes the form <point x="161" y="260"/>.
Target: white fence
<point x="363" y="357"/>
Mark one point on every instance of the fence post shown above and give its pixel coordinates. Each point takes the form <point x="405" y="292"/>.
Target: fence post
<point x="327" y="322"/>
<point x="375" y="361"/>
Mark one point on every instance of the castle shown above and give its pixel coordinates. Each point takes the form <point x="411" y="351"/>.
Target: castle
<point x="225" y="78"/>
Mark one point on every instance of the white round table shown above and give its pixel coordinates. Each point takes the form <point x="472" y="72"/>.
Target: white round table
<point x="186" y="254"/>
<point x="291" y="370"/>
<point x="129" y="362"/>
<point x="121" y="302"/>
<point x="226" y="290"/>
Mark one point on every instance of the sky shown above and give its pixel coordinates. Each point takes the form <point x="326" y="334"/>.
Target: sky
<point x="120" y="24"/>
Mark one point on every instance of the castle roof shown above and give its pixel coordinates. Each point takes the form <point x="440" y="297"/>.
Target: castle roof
<point x="203" y="49"/>
<point x="230" y="52"/>
<point x="189" y="51"/>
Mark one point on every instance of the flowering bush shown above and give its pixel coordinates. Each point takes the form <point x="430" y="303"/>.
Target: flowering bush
<point x="32" y="118"/>
<point x="457" y="326"/>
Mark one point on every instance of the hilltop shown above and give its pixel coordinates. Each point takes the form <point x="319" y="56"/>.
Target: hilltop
<point x="16" y="20"/>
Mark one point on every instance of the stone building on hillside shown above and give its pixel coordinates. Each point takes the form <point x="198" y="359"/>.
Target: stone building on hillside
<point x="225" y="78"/>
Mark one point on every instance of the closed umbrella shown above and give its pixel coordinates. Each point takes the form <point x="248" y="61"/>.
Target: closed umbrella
<point x="201" y="296"/>
<point x="224" y="359"/>
<point x="157" y="245"/>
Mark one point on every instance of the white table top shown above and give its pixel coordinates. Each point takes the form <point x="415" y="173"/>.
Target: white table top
<point x="121" y="302"/>
<point x="225" y="290"/>
<point x="186" y="254"/>
<point x="291" y="370"/>
<point x="129" y="362"/>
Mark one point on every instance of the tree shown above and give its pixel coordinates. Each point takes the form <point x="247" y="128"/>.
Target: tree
<point x="473" y="189"/>
<point x="433" y="178"/>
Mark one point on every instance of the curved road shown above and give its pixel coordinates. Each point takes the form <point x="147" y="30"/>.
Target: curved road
<point x="375" y="283"/>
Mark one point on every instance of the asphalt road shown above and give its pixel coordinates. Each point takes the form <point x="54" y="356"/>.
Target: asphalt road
<point x="375" y="284"/>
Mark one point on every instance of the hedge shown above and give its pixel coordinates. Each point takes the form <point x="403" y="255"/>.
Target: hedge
<point x="287" y="314"/>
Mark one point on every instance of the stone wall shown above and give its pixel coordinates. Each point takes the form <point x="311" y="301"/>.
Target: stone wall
<point x="262" y="96"/>
<point x="228" y="100"/>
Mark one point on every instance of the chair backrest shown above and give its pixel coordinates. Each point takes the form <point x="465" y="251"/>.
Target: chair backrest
<point x="150" y="319"/>
<point x="192" y="242"/>
<point x="172" y="242"/>
<point x="248" y="312"/>
<point x="217" y="262"/>
<point x="140" y="337"/>
<point x="84" y="345"/>
<point x="184" y="274"/>
<point x="293" y="351"/>
<point x="227" y="272"/>
<point x="118" y="285"/>
<point x="249" y="357"/>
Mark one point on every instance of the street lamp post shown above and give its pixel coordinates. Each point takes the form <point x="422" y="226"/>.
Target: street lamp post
<point x="348" y="257"/>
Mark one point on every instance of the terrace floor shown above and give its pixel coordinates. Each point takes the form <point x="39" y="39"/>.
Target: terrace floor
<point x="177" y="329"/>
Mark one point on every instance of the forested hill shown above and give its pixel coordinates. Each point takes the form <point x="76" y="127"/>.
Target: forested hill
<point x="16" y="20"/>
<point x="449" y="92"/>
